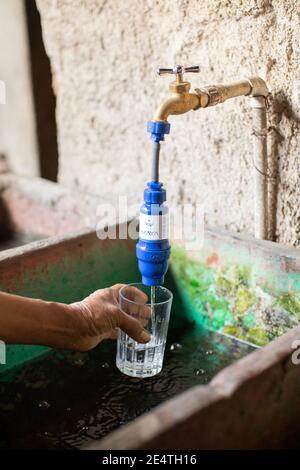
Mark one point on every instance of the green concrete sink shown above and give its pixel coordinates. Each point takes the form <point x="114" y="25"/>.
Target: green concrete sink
<point x="234" y="288"/>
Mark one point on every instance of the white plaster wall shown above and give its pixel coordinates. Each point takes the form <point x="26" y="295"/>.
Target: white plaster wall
<point x="17" y="123"/>
<point x="104" y="54"/>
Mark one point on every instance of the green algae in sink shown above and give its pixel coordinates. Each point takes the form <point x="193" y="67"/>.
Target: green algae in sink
<point x="232" y="300"/>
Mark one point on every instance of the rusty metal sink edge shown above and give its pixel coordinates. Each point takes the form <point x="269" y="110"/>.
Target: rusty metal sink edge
<point x="252" y="404"/>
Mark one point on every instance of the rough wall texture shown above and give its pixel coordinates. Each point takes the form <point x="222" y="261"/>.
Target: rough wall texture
<point x="17" y="122"/>
<point x="104" y="55"/>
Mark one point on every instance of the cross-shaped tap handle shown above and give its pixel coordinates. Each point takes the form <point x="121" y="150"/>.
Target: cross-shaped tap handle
<point x="178" y="70"/>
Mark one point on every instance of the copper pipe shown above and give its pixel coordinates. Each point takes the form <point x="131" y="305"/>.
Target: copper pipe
<point x="183" y="100"/>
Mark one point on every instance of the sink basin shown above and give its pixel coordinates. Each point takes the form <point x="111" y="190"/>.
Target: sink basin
<point x="226" y="382"/>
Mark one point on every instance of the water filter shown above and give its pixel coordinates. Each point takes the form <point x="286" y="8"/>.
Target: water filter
<point x="153" y="248"/>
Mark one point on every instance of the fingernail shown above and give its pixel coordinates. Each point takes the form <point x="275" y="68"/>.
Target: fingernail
<point x="144" y="336"/>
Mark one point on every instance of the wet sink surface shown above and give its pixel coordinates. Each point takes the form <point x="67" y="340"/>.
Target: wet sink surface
<point x="67" y="399"/>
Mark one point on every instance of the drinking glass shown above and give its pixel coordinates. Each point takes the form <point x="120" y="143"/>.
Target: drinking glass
<point x="144" y="360"/>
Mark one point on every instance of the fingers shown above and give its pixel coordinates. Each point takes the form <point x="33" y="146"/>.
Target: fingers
<point x="133" y="328"/>
<point x="130" y="293"/>
<point x="116" y="289"/>
<point x="140" y="312"/>
<point x="134" y="313"/>
<point x="135" y="294"/>
<point x="133" y="301"/>
<point x="112" y="334"/>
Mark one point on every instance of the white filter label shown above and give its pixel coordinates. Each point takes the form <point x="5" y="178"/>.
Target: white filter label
<point x="154" y="227"/>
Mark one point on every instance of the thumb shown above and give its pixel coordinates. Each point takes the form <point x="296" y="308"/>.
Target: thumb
<point x="133" y="328"/>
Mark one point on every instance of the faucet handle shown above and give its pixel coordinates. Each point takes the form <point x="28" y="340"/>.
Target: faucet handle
<point x="178" y="70"/>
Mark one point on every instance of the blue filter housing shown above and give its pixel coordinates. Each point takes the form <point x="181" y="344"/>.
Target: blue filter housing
<point x="153" y="248"/>
<point x="158" y="129"/>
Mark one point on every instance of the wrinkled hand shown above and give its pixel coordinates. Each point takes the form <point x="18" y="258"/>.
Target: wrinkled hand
<point x="98" y="317"/>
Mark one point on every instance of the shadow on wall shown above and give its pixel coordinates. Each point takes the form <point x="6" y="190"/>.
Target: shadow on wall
<point x="44" y="99"/>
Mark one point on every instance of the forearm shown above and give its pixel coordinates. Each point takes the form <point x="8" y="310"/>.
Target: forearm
<point x="79" y="326"/>
<point x="33" y="321"/>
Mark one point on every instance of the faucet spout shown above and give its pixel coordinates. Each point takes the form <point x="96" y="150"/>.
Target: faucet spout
<point x="177" y="103"/>
<point x="182" y="100"/>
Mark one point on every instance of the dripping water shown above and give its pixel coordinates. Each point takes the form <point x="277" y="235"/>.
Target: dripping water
<point x="152" y="307"/>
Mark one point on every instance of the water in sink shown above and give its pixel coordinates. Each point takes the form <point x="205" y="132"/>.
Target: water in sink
<point x="67" y="399"/>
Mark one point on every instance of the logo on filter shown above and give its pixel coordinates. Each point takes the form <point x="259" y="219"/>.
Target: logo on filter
<point x="149" y="223"/>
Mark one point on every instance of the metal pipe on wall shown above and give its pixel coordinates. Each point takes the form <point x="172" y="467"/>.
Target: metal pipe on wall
<point x="260" y="164"/>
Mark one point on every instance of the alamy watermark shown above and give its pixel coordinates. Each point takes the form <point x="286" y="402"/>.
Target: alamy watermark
<point x="185" y="222"/>
<point x="296" y="353"/>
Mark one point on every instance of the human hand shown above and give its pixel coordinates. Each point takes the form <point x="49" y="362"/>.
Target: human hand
<point x="98" y="316"/>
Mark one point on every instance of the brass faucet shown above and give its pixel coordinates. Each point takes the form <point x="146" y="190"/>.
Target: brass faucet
<point x="183" y="100"/>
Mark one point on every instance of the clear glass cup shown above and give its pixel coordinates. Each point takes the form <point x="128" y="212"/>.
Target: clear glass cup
<point x="144" y="360"/>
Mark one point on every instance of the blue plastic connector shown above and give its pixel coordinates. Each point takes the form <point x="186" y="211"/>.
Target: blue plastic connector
<point x="153" y="248"/>
<point x="158" y="129"/>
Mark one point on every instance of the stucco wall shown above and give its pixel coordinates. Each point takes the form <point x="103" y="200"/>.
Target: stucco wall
<point x="17" y="123"/>
<point x="104" y="55"/>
